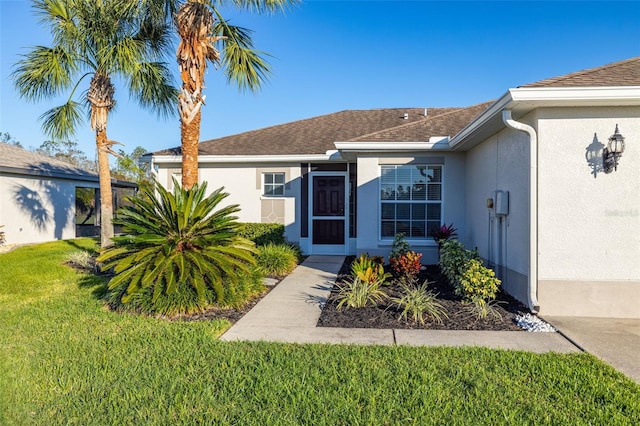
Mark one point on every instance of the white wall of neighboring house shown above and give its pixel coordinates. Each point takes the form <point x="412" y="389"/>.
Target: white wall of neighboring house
<point x="589" y="221"/>
<point x="37" y="209"/>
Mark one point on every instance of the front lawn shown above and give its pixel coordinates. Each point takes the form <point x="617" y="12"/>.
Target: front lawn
<point x="64" y="359"/>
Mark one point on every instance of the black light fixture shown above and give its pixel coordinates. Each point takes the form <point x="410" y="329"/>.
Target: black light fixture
<point x="613" y="151"/>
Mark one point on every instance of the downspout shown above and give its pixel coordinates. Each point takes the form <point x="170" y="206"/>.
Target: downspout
<point x="532" y="294"/>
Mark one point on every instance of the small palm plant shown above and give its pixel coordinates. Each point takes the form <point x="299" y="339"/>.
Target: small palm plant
<point x="181" y="253"/>
<point x="356" y="293"/>
<point x="419" y="302"/>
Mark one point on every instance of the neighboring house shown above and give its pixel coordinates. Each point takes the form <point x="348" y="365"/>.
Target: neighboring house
<point x="521" y="178"/>
<point x="44" y="199"/>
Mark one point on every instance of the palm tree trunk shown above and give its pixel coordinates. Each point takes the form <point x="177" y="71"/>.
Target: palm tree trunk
<point x="190" y="136"/>
<point x="106" y="197"/>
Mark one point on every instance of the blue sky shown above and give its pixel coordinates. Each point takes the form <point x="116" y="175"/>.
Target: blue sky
<point x="330" y="56"/>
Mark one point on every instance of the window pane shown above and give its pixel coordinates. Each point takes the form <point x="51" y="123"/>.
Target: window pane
<point x="418" y="212"/>
<point x="433" y="212"/>
<point x="404" y="192"/>
<point x="278" y="190"/>
<point x="417" y="229"/>
<point x="436" y="173"/>
<point x="435" y="192"/>
<point x="268" y="178"/>
<point x="278" y="178"/>
<point x="388" y="175"/>
<point x="419" y="192"/>
<point x="403" y="227"/>
<point x="388" y="229"/>
<point x="387" y="192"/>
<point x="403" y="211"/>
<point x="403" y="174"/>
<point x="388" y="211"/>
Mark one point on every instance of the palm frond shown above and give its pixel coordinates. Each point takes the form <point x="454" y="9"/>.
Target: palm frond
<point x="151" y="85"/>
<point x="242" y="64"/>
<point x="44" y="72"/>
<point x="259" y="6"/>
<point x="61" y="122"/>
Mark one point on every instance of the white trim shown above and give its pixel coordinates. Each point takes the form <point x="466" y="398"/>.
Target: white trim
<point x="304" y="158"/>
<point x="440" y="143"/>
<point x="525" y="99"/>
<point x="329" y="248"/>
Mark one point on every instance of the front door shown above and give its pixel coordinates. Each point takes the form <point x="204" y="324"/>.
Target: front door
<point x="328" y="215"/>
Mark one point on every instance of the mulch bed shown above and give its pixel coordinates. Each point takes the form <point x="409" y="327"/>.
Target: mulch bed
<point x="386" y="315"/>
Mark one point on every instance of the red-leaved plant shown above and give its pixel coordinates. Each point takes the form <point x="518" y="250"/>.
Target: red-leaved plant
<point x="407" y="264"/>
<point x="444" y="233"/>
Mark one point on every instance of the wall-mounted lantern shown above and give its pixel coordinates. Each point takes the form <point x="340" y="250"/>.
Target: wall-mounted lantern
<point x="612" y="152"/>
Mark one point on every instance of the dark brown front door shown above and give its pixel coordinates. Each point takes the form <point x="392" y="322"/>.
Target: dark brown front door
<point x="328" y="210"/>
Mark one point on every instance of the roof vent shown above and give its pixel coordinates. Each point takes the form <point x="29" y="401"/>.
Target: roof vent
<point x="406" y="116"/>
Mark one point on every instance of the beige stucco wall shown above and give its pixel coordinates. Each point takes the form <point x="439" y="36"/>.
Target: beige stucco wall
<point x="501" y="162"/>
<point x="368" y="215"/>
<point x="589" y="221"/>
<point x="243" y="183"/>
<point x="35" y="209"/>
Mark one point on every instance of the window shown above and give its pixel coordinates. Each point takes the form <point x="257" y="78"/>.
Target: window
<point x="410" y="200"/>
<point x="273" y="184"/>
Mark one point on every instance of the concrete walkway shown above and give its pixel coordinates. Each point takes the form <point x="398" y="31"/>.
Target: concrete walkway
<point x="289" y="313"/>
<point x="615" y="341"/>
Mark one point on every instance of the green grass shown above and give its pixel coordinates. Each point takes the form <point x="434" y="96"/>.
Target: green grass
<point x="66" y="360"/>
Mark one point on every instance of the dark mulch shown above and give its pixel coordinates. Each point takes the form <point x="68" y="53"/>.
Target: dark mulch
<point x="386" y="315"/>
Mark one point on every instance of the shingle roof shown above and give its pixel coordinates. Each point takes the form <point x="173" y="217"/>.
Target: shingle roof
<point x="317" y="135"/>
<point x="622" y="73"/>
<point x="447" y="123"/>
<point x="313" y="135"/>
<point x="15" y="158"/>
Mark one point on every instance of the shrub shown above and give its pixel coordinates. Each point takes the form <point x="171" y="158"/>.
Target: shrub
<point x="262" y="233"/>
<point x="277" y="259"/>
<point x="399" y="246"/>
<point x="478" y="283"/>
<point x="419" y="302"/>
<point x="407" y="265"/>
<point x="3" y="239"/>
<point x="369" y="269"/>
<point x="181" y="253"/>
<point x="453" y="260"/>
<point x="356" y="293"/>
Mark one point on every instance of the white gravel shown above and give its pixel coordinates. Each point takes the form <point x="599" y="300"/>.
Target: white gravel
<point x="532" y="323"/>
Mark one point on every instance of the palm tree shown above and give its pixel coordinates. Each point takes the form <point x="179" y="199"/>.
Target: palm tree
<point x="100" y="40"/>
<point x="206" y="36"/>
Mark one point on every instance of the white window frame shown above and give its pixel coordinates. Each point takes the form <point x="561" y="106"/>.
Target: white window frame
<point x="425" y="202"/>
<point x="273" y="184"/>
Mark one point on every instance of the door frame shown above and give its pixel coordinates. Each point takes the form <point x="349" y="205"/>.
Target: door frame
<point x="329" y="248"/>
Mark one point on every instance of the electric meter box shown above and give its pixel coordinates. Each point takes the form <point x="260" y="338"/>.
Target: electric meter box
<point x="502" y="203"/>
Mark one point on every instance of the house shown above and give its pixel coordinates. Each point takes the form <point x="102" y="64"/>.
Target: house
<point x="44" y="199"/>
<point x="522" y="178"/>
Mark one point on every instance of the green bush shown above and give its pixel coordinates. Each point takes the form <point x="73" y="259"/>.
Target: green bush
<point x="356" y="293"/>
<point x="453" y="260"/>
<point x="277" y="259"/>
<point x="262" y="233"/>
<point x="181" y="253"/>
<point x="419" y="302"/>
<point x="478" y="283"/>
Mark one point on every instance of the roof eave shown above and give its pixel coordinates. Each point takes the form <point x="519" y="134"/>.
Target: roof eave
<point x="232" y="159"/>
<point x="524" y="100"/>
